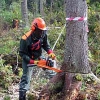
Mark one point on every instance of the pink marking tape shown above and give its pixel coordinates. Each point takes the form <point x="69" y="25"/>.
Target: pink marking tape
<point x="76" y="18"/>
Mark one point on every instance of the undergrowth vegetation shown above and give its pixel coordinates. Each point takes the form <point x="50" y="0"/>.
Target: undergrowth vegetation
<point x="7" y="76"/>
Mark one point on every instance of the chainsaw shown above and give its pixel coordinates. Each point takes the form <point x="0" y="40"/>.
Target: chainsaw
<point x="47" y="64"/>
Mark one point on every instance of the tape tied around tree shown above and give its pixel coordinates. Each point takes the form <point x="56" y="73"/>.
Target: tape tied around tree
<point x="76" y="19"/>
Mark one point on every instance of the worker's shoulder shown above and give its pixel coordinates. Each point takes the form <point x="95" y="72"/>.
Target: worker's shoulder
<point x="27" y="34"/>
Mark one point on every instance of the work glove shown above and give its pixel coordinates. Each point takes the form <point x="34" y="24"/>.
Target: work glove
<point x="33" y="61"/>
<point x="36" y="62"/>
<point x="52" y="55"/>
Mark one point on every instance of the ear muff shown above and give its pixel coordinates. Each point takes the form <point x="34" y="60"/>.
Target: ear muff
<point x="32" y="28"/>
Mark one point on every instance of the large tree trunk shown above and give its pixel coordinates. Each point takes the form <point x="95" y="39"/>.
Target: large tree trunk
<point x="76" y="42"/>
<point x="75" y="56"/>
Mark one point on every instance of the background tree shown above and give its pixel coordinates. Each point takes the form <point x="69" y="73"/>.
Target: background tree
<point x="8" y="3"/>
<point x="30" y="4"/>
<point x="24" y="12"/>
<point x="41" y="7"/>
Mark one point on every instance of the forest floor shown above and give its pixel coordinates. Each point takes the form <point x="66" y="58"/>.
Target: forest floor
<point x="90" y="92"/>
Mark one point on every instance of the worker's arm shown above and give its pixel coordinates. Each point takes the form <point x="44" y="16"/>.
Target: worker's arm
<point x="47" y="47"/>
<point x="23" y="51"/>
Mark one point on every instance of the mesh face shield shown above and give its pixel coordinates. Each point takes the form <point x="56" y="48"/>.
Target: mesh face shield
<point x="38" y="33"/>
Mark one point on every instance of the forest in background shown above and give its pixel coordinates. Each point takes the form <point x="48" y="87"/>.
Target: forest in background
<point x="53" y="12"/>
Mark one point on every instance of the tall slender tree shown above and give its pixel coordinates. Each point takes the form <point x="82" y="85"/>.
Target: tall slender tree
<point x="41" y="7"/>
<point x="24" y="12"/>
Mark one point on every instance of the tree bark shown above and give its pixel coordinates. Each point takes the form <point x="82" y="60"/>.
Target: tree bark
<point x="55" y="85"/>
<point x="76" y="42"/>
<point x="61" y="87"/>
<point x="71" y="87"/>
<point x="51" y="4"/>
<point x="36" y="7"/>
<point x="41" y="7"/>
<point x="75" y="56"/>
<point x="24" y="13"/>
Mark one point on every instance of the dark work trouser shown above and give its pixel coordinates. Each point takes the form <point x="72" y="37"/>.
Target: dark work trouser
<point x="25" y="80"/>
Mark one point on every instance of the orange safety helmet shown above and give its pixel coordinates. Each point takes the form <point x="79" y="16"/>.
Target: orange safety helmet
<point x="38" y="23"/>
